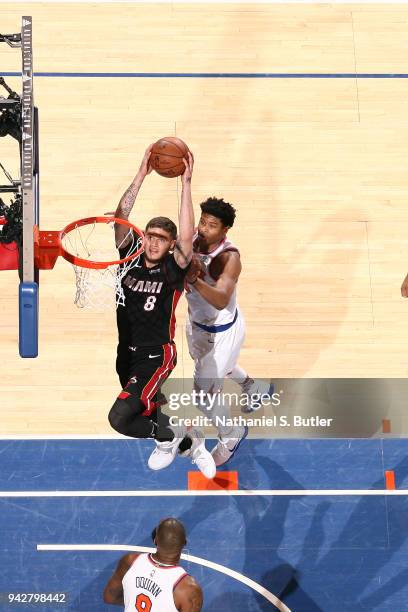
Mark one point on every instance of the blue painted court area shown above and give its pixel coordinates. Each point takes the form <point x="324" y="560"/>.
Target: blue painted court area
<point x="338" y="550"/>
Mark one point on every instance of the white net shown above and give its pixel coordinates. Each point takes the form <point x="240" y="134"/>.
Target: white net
<point x="101" y="288"/>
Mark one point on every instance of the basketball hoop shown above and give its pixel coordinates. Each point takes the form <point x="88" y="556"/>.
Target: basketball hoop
<point x="89" y="245"/>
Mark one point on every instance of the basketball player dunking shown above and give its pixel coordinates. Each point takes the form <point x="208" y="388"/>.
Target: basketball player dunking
<point x="216" y="328"/>
<point x="154" y="582"/>
<point x="146" y="324"/>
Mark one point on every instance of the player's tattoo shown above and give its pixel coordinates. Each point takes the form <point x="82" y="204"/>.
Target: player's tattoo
<point x="128" y="199"/>
<point x="180" y="250"/>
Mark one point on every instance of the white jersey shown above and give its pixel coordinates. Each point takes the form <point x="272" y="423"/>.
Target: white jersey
<point x="200" y="310"/>
<point x="149" y="586"/>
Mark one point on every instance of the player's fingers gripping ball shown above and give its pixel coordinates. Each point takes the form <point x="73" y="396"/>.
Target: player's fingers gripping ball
<point x="196" y="270"/>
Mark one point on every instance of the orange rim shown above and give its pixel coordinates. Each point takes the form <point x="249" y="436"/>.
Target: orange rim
<point x="88" y="263"/>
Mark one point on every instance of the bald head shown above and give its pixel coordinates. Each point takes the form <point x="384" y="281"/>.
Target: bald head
<point x="170" y="536"/>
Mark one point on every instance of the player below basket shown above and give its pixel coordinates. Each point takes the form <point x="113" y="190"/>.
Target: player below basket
<point x="146" y="353"/>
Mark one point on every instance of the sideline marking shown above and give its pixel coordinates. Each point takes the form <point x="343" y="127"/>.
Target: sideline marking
<point x="221" y="492"/>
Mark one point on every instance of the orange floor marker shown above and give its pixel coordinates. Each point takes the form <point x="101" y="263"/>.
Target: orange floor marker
<point x="390" y="479"/>
<point x="386" y="426"/>
<point x="223" y="480"/>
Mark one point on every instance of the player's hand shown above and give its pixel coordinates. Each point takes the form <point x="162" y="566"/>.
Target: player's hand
<point x="404" y="287"/>
<point x="188" y="172"/>
<point x="145" y="166"/>
<point x="196" y="269"/>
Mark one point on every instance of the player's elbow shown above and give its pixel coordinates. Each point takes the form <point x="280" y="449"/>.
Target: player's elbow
<point x="108" y="598"/>
<point x="222" y="302"/>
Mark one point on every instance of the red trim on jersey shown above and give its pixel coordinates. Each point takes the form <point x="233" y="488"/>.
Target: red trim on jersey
<point x="179" y="580"/>
<point x="169" y="354"/>
<point x="158" y="564"/>
<point x="172" y="324"/>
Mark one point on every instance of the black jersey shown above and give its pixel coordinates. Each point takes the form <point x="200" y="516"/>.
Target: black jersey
<point x="151" y="296"/>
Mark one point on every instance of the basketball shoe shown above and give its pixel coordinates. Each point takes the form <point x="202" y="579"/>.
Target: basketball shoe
<point x="199" y="455"/>
<point x="226" y="448"/>
<point x="165" y="452"/>
<point x="252" y="390"/>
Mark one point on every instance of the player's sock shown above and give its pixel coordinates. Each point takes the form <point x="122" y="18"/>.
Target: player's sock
<point x="185" y="444"/>
<point x="238" y="375"/>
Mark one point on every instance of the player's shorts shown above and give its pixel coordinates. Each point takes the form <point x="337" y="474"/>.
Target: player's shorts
<point x="149" y="367"/>
<point x="215" y="353"/>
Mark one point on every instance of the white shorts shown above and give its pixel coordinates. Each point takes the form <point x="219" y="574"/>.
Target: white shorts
<point x="214" y="354"/>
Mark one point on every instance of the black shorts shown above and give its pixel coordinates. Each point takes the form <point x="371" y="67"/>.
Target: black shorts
<point x="148" y="369"/>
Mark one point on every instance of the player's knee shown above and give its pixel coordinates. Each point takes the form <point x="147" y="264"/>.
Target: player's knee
<point x="120" y="416"/>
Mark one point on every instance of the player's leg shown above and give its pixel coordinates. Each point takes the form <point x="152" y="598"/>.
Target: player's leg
<point x="252" y="389"/>
<point x="217" y="363"/>
<point x="123" y="352"/>
<point x="122" y="363"/>
<point x="153" y="370"/>
<point x="200" y="345"/>
<point x="126" y="418"/>
<point x="214" y="356"/>
<point x="132" y="410"/>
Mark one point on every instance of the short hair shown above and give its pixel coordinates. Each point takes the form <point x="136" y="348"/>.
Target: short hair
<point x="163" y="223"/>
<point x="170" y="535"/>
<point x="217" y="207"/>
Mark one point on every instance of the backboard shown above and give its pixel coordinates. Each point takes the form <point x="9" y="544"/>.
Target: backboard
<point x="29" y="277"/>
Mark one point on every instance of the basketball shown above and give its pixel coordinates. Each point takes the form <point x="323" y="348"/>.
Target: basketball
<point x="167" y="156"/>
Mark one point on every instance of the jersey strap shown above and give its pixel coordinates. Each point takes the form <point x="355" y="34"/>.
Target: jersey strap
<point x="214" y="329"/>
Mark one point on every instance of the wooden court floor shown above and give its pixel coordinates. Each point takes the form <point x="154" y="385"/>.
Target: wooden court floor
<point x="316" y="168"/>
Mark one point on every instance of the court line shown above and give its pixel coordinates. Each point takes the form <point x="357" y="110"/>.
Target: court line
<point x="218" y="75"/>
<point x="211" y="493"/>
<point x="191" y="558"/>
<point x="213" y="1"/>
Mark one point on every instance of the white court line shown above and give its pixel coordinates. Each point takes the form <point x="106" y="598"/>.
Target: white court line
<point x="215" y="566"/>
<point x="214" y="2"/>
<point x="215" y="493"/>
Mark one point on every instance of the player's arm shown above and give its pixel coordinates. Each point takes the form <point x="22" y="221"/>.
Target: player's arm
<point x="188" y="596"/>
<point x="113" y="592"/>
<point x="127" y="201"/>
<point x="184" y="246"/>
<point x="404" y="287"/>
<point x="219" y="295"/>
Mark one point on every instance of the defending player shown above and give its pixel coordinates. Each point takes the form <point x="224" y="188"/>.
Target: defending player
<point x="146" y="326"/>
<point x="216" y="328"/>
<point x="154" y="582"/>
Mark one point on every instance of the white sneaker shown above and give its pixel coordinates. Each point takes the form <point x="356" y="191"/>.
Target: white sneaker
<point x="200" y="455"/>
<point x="227" y="447"/>
<point x="165" y="452"/>
<point x="252" y="390"/>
